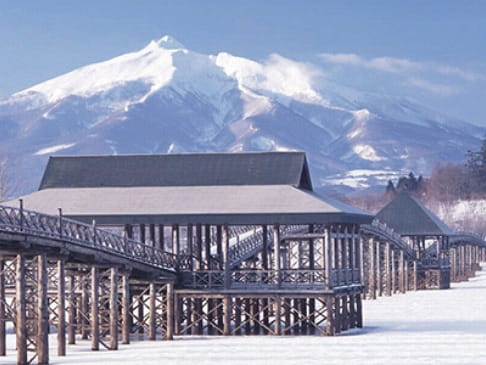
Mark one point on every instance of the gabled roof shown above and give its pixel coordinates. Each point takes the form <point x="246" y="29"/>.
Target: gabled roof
<point x="195" y="169"/>
<point x="229" y="204"/>
<point x="409" y="217"/>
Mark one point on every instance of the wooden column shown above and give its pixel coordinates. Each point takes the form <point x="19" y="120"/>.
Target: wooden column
<point x="372" y="269"/>
<point x="219" y="247"/>
<point x="379" y="271"/>
<point x="42" y="311"/>
<point x="207" y="245"/>
<point x="152" y="235"/>
<point x="3" y="320"/>
<point x="20" y="309"/>
<point x="394" y="272"/>
<point x="125" y="309"/>
<point x="95" y="324"/>
<point x="388" y="269"/>
<point x="190" y="246"/>
<point x="276" y="252"/>
<point x="161" y="244"/>
<point x="328" y="253"/>
<point x="401" y="272"/>
<point x="175" y="239"/>
<point x="72" y="311"/>
<point x="170" y="311"/>
<point x="226" y="263"/>
<point x="406" y="276"/>
<point x="61" y="309"/>
<point x="265" y="247"/>
<point x="113" y="309"/>
<point x="415" y="275"/>
<point x="278" y="315"/>
<point x="226" y="315"/>
<point x="83" y="322"/>
<point x="331" y="312"/>
<point x="152" y="312"/>
<point x="199" y="245"/>
<point x="142" y="232"/>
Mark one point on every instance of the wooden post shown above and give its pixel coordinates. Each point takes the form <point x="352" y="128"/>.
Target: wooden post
<point x="152" y="235"/>
<point x="327" y="251"/>
<point x="20" y="308"/>
<point x="199" y="244"/>
<point x="175" y="239"/>
<point x="379" y="272"/>
<point x="278" y="315"/>
<point x="125" y="309"/>
<point x="331" y="312"/>
<point x="61" y="309"/>
<point x="142" y="233"/>
<point x="372" y="270"/>
<point x="394" y="272"/>
<point x="72" y="311"/>
<point x="226" y="315"/>
<point x="3" y="319"/>
<point x="152" y="312"/>
<point x="207" y="245"/>
<point x="226" y="263"/>
<point x="276" y="253"/>
<point x="161" y="244"/>
<point x="415" y="275"/>
<point x="83" y="322"/>
<point x="113" y="308"/>
<point x="95" y="324"/>
<point x="190" y="245"/>
<point x="388" y="269"/>
<point x="265" y="247"/>
<point x="401" y="272"/>
<point x="406" y="276"/>
<point x="170" y="311"/>
<point x="42" y="311"/>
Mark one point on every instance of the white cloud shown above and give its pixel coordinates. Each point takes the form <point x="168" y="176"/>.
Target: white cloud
<point x="386" y="64"/>
<point x="399" y="65"/>
<point x="439" y="89"/>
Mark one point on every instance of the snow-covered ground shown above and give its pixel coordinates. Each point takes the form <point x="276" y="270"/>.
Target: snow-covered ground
<point x="425" y="327"/>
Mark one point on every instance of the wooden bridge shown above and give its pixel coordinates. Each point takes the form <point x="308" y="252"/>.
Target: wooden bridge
<point x="195" y="271"/>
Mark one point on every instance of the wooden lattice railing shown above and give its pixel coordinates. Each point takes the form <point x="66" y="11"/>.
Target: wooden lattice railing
<point x="382" y="230"/>
<point x="23" y="221"/>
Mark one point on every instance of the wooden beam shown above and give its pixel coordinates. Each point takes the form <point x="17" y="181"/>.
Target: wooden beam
<point x="226" y="315"/>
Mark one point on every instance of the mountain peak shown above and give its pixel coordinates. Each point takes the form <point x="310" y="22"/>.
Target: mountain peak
<point x="167" y="42"/>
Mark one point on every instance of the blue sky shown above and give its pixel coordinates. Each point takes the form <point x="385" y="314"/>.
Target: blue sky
<point x="434" y="51"/>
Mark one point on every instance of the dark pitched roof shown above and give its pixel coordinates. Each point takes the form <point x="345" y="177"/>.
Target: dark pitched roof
<point x="195" y="169"/>
<point x="409" y="217"/>
<point x="248" y="204"/>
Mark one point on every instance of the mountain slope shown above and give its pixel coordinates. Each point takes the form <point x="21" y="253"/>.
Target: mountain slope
<point x="166" y="98"/>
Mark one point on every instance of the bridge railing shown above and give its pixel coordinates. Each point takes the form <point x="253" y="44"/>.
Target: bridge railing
<point x="67" y="230"/>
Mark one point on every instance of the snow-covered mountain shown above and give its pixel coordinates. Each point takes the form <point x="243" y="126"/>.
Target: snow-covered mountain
<point x="166" y="98"/>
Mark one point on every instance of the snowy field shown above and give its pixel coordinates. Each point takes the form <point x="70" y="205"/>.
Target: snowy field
<point x="425" y="327"/>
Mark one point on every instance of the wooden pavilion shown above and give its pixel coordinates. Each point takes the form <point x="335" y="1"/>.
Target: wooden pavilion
<point x="426" y="234"/>
<point x="258" y="252"/>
